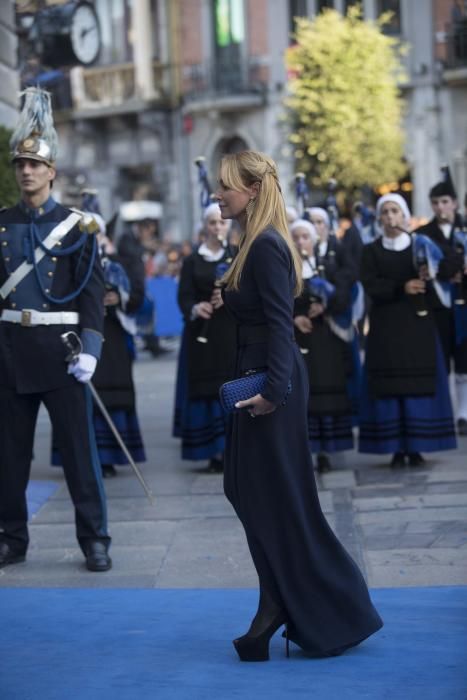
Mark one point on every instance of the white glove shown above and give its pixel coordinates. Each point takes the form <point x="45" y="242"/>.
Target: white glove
<point x="83" y="367"/>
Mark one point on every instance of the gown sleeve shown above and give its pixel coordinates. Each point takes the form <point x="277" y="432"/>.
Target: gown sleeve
<point x="273" y="273"/>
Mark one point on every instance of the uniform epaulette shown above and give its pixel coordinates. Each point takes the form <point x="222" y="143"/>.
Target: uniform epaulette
<point x="87" y="222"/>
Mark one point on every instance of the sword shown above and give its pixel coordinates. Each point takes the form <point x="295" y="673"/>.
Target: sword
<point x="73" y="343"/>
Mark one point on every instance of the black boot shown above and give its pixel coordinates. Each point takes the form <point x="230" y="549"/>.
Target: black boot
<point x="398" y="460"/>
<point x="254" y="645"/>
<point x="108" y="470"/>
<point x="323" y="463"/>
<point x="97" y="557"/>
<point x="9" y="556"/>
<point x="415" y="459"/>
<point x="152" y="344"/>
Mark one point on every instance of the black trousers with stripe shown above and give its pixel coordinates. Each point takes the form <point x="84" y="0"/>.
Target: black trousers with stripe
<point x="70" y="411"/>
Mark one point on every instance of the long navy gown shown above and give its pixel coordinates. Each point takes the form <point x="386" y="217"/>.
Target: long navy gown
<point x="269" y="475"/>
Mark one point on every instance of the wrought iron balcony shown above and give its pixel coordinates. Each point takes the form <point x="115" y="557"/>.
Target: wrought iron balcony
<point x="217" y="79"/>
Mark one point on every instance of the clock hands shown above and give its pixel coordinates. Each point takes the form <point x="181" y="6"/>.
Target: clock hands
<point x="87" y="30"/>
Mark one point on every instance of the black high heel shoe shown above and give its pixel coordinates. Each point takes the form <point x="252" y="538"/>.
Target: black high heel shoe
<point x="256" y="648"/>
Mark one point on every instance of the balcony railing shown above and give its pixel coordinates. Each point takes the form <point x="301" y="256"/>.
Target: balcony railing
<point x="213" y="79"/>
<point x="114" y="86"/>
<point x="456" y="44"/>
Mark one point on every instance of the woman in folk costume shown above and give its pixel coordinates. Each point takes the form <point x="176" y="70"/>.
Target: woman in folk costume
<point x="113" y="379"/>
<point x="405" y="403"/>
<point x="323" y="330"/>
<point x="207" y="353"/>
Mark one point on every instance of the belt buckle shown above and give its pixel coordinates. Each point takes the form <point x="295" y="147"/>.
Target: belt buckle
<point x="26" y="317"/>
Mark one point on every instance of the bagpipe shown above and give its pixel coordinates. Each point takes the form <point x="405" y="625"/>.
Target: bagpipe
<point x="205" y="199"/>
<point x="321" y="290"/>
<point x="116" y="280"/>
<point x="426" y="256"/>
<point x="205" y="192"/>
<point x="460" y="246"/>
<point x="459" y="242"/>
<point x="459" y="290"/>
<point x="302" y="195"/>
<point x="330" y="204"/>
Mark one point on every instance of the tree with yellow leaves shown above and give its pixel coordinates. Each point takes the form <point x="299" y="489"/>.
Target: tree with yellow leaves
<point x="345" y="104"/>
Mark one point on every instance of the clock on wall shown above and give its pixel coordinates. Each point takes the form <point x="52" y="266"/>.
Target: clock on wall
<point x="85" y="34"/>
<point x="68" y="34"/>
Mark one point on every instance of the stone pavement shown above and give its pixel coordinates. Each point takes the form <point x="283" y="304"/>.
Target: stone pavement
<point x="405" y="527"/>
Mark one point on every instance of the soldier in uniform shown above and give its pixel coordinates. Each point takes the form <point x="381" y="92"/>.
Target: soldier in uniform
<point x="51" y="282"/>
<point x="447" y="229"/>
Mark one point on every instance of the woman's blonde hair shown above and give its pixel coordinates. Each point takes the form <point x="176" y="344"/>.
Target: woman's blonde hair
<point x="238" y="171"/>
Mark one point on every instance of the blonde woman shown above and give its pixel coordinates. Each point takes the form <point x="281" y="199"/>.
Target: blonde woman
<point x="307" y="580"/>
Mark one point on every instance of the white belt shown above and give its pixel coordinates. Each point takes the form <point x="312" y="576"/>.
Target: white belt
<point x="31" y="317"/>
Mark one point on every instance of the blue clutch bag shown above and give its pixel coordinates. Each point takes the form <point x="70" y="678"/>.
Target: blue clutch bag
<point x="242" y="389"/>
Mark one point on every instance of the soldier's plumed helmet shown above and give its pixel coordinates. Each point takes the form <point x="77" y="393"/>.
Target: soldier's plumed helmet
<point x="35" y="136"/>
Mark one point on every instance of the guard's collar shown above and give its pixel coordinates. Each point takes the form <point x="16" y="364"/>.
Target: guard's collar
<point x="45" y="208"/>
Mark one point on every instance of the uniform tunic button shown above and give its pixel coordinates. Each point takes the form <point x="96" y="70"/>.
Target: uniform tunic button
<point x="13" y="305"/>
<point x="45" y="306"/>
<point x="54" y="259"/>
<point x="47" y="291"/>
<point x="4" y="243"/>
<point x="2" y="229"/>
<point x="7" y="259"/>
<point x="50" y="274"/>
<point x="14" y="289"/>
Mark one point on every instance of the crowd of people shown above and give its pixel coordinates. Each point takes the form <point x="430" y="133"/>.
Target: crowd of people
<point x="380" y="324"/>
<point x="266" y="292"/>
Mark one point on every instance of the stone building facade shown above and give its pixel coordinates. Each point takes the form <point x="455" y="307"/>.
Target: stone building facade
<point x="177" y="79"/>
<point x="8" y="64"/>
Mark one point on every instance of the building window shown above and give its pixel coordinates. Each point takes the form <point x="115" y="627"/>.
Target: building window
<point x="230" y="22"/>
<point x="350" y="3"/>
<point x="229" y="33"/>
<point x="323" y="4"/>
<point x="298" y="8"/>
<point x="115" y="22"/>
<point x="394" y="25"/>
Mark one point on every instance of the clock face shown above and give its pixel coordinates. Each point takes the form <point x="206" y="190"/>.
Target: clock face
<point x="85" y="34"/>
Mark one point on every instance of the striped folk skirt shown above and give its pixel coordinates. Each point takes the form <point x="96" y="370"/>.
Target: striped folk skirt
<point x="200" y="423"/>
<point x="408" y="423"/>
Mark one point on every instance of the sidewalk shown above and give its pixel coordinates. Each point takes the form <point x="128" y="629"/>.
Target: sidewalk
<point x="404" y="527"/>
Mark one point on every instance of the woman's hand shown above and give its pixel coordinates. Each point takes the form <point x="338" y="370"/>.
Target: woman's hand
<point x="216" y="299"/>
<point x="303" y="324"/>
<point x="315" y="310"/>
<point x="257" y="406"/>
<point x="203" y="310"/>
<point x="415" y="286"/>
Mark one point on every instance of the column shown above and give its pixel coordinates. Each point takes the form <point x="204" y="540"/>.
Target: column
<point x="142" y="49"/>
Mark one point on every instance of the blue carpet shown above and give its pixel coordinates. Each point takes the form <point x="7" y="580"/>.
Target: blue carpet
<point x="37" y="493"/>
<point x="160" y="644"/>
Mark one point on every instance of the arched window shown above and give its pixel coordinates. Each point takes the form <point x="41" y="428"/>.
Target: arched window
<point x="228" y="144"/>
